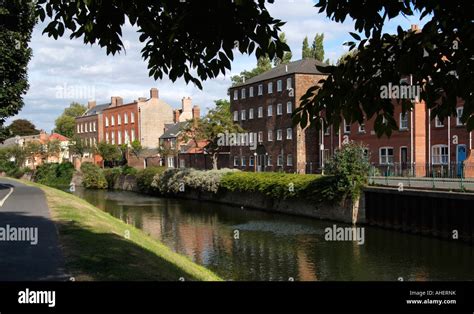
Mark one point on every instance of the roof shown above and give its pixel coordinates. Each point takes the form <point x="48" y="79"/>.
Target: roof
<point x="59" y="137"/>
<point x="303" y="66"/>
<point x="95" y="110"/>
<point x="172" y="130"/>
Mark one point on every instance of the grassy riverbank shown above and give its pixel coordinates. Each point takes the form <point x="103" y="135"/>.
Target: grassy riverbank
<point x="98" y="246"/>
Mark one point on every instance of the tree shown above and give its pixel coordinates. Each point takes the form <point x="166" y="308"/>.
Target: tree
<point x="306" y="50"/>
<point x="22" y="127"/>
<point x="77" y="147"/>
<point x="136" y="148"/>
<point x="33" y="149"/>
<point x="108" y="152"/>
<point x="263" y="65"/>
<point x="52" y="149"/>
<point x="17" y="18"/>
<point x="317" y="49"/>
<point x="215" y="123"/>
<point x="438" y="59"/>
<point x="286" y="56"/>
<point x="18" y="154"/>
<point x="65" y="123"/>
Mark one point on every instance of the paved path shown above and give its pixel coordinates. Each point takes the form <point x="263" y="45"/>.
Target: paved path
<point x="26" y="207"/>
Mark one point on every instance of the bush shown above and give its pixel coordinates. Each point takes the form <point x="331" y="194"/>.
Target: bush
<point x="350" y="166"/>
<point x="277" y="185"/>
<point x="93" y="176"/>
<point x="111" y="175"/>
<point x="173" y="179"/>
<point x="11" y="169"/>
<point x="54" y="175"/>
<point x="145" y="179"/>
<point x="127" y="170"/>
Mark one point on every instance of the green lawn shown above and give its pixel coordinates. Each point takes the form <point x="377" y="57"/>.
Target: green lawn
<point x="97" y="246"/>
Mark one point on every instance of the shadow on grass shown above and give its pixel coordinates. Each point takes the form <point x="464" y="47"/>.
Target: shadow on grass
<point x="107" y="256"/>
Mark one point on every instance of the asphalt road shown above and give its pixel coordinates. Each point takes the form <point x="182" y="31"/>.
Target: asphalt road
<point x="25" y="207"/>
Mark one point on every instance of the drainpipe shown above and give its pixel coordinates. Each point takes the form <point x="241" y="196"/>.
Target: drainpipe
<point x="429" y="137"/>
<point x="321" y="147"/>
<point x="449" y="144"/>
<point x="411" y="143"/>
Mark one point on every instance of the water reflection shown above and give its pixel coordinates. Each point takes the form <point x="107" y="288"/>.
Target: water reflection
<point x="277" y="247"/>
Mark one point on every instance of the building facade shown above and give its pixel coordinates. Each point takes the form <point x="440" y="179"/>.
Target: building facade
<point x="263" y="107"/>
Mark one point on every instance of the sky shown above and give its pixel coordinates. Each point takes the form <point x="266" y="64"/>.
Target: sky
<point x="62" y="71"/>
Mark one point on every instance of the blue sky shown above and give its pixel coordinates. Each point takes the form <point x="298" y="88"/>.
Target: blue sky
<point x="63" y="70"/>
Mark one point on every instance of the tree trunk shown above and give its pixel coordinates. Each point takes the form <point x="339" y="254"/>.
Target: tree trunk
<point x="214" y="161"/>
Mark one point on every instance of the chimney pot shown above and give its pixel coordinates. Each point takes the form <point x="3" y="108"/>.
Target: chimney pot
<point x="154" y="93"/>
<point x="116" y="101"/>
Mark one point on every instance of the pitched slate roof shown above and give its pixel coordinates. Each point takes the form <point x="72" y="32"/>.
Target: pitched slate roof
<point x="172" y="130"/>
<point x="303" y="66"/>
<point x="95" y="110"/>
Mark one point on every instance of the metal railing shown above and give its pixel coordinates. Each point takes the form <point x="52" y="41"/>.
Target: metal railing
<point x="452" y="176"/>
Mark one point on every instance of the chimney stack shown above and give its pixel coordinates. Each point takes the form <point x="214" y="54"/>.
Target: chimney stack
<point x="116" y="101"/>
<point x="91" y="104"/>
<point x="176" y="116"/>
<point x="196" y="112"/>
<point x="186" y="104"/>
<point x="154" y="93"/>
<point x="415" y="28"/>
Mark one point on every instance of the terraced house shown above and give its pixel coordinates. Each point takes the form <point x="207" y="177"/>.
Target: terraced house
<point x="263" y="106"/>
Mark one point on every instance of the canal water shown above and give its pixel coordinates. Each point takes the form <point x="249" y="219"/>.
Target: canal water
<point x="281" y="247"/>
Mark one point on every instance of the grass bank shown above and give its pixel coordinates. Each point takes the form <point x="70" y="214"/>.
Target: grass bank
<point x="97" y="246"/>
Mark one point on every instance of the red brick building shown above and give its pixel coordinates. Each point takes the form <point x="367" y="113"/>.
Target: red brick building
<point x="263" y="106"/>
<point x="120" y="124"/>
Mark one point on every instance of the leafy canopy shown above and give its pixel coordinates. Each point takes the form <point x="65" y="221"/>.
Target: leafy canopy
<point x="65" y="123"/>
<point x="22" y="127"/>
<point x="439" y="58"/>
<point x="188" y="39"/>
<point x="16" y="25"/>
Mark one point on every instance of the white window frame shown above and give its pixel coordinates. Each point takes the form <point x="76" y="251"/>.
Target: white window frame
<point x="404" y="122"/>
<point x="270" y="88"/>
<point x="362" y="127"/>
<point x="251" y="161"/>
<point x="270" y="110"/>
<point x="125" y="118"/>
<point x="251" y="91"/>
<point x="385" y="159"/>
<point x="289" y="107"/>
<point x="243" y="114"/>
<point x="236" y="115"/>
<point x="236" y="161"/>
<point x="279" y="85"/>
<point x="347" y="127"/>
<point x="132" y="117"/>
<point x="251" y="115"/>
<point x="269" y="160"/>
<point x="438" y="123"/>
<point x="289" y="133"/>
<point x="119" y="138"/>
<point x="289" y="160"/>
<point x="260" y="112"/>
<point x="438" y="157"/>
<point x="113" y="138"/>
<point x="280" y="160"/>
<point x="119" y="119"/>
<point x="270" y="136"/>
<point x="236" y="95"/>
<point x="260" y="90"/>
<point x="242" y="93"/>
<point x="132" y="137"/>
<point x="112" y="121"/>
<point x="279" y="135"/>
<point x="260" y="137"/>
<point x="243" y="161"/>
<point x="279" y="109"/>
<point x="289" y="83"/>
<point x="459" y="112"/>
